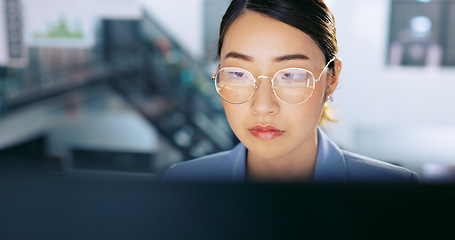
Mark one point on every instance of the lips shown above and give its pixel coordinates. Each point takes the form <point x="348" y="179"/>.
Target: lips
<point x="265" y="132"/>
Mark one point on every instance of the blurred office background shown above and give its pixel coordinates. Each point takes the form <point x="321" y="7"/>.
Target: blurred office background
<point x="122" y="87"/>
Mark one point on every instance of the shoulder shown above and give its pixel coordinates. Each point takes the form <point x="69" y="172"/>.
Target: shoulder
<point x="336" y="165"/>
<point x="227" y="166"/>
<point x="365" y="169"/>
<point x="197" y="169"/>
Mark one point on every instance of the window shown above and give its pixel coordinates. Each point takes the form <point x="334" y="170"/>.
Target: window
<point x="422" y="33"/>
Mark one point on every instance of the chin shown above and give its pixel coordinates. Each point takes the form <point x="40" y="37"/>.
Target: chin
<point x="266" y="151"/>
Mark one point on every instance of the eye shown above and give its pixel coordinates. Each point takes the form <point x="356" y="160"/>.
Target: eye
<point x="289" y="75"/>
<point x="294" y="76"/>
<point x="236" y="75"/>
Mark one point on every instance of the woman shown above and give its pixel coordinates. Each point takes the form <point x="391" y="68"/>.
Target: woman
<point x="278" y="68"/>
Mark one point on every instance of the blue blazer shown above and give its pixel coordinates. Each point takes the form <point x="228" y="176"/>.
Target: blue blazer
<point x="333" y="165"/>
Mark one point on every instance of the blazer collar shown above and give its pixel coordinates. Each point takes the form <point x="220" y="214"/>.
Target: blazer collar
<point x="330" y="164"/>
<point x="232" y="167"/>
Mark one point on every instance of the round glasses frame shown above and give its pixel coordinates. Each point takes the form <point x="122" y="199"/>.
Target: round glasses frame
<point x="271" y="78"/>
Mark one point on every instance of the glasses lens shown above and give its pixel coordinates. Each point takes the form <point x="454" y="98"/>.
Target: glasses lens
<point x="293" y="85"/>
<point x="235" y="85"/>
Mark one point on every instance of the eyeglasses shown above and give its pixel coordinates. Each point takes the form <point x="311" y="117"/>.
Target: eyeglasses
<point x="291" y="85"/>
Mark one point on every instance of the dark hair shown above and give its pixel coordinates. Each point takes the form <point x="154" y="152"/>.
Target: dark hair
<point x="312" y="17"/>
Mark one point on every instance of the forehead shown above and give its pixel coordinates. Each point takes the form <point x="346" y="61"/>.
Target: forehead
<point x="258" y="35"/>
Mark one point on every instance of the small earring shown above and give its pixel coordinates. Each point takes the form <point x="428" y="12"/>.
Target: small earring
<point x="329" y="98"/>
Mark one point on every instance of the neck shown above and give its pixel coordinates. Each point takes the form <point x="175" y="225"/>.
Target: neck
<point x="296" y="166"/>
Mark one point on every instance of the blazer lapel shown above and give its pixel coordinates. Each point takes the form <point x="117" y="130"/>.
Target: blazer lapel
<point x="330" y="163"/>
<point x="232" y="166"/>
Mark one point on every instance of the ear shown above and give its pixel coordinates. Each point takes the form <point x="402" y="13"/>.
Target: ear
<point x="334" y="79"/>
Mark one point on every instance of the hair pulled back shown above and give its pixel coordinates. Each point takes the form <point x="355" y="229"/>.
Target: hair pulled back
<point x="312" y="17"/>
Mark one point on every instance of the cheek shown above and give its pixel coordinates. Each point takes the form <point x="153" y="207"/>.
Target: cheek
<point x="309" y="112"/>
<point x="234" y="114"/>
<point x="319" y="93"/>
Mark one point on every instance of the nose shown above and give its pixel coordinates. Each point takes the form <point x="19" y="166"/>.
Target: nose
<point x="264" y="101"/>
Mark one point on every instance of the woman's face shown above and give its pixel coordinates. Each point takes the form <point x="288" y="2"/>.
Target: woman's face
<point x="269" y="128"/>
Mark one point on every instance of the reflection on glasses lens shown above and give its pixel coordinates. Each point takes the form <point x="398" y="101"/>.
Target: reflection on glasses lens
<point x="235" y="85"/>
<point x="291" y="85"/>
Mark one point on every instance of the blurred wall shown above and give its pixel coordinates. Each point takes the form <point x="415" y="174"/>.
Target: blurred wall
<point x="403" y="114"/>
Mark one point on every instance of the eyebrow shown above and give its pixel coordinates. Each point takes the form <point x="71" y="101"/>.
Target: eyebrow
<point x="292" y="57"/>
<point x="277" y="59"/>
<point x="239" y="56"/>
